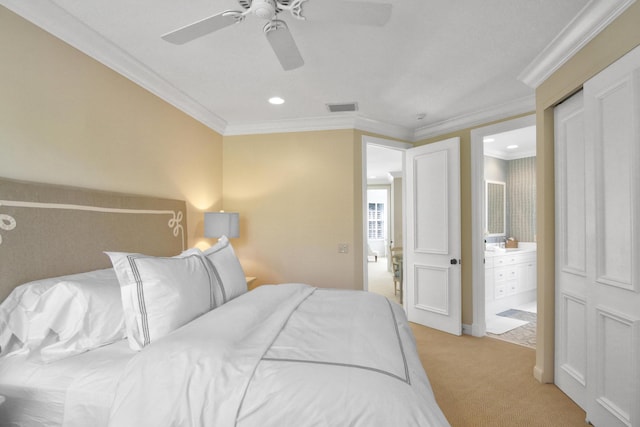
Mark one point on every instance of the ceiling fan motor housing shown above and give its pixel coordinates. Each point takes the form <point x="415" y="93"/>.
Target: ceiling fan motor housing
<point x="265" y="9"/>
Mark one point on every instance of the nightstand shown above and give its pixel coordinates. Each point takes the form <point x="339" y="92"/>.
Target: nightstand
<point x="250" y="282"/>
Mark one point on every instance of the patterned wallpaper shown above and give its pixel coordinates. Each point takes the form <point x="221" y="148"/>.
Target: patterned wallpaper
<point x="521" y="199"/>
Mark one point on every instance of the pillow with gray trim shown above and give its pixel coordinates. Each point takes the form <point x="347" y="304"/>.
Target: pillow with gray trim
<point x="227" y="269"/>
<point x="161" y="294"/>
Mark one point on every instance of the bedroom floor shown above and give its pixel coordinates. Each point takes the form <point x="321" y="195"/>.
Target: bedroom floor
<point x="381" y="280"/>
<point x="502" y="393"/>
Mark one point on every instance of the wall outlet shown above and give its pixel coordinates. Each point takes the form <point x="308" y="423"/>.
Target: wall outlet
<point x="343" y="248"/>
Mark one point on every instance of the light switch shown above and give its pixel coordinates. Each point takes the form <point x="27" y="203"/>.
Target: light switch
<point x="343" y="248"/>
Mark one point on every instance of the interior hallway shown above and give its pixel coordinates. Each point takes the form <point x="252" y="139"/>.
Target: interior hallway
<point x="381" y="280"/>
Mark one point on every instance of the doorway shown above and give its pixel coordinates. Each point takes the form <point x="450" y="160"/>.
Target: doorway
<point x="382" y="279"/>
<point x="504" y="235"/>
<point x="382" y="173"/>
<point x="510" y="248"/>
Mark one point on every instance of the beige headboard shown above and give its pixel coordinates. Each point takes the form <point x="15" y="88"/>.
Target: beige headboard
<point x="51" y="230"/>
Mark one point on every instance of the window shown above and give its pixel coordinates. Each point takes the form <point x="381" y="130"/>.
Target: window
<point x="376" y="221"/>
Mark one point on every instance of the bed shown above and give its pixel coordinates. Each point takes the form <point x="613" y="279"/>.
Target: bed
<point x="108" y="319"/>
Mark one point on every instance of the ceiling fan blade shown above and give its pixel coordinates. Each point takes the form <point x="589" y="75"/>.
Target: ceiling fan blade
<point x="203" y="27"/>
<point x="347" y="12"/>
<point x="283" y="45"/>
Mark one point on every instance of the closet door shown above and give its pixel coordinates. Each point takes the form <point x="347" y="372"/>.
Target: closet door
<point x="571" y="250"/>
<point x="612" y="119"/>
<point x="598" y="245"/>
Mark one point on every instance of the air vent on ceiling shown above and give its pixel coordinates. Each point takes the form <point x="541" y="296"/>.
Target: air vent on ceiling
<point x="341" y="108"/>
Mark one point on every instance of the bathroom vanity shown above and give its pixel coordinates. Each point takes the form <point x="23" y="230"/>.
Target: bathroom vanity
<point x="510" y="277"/>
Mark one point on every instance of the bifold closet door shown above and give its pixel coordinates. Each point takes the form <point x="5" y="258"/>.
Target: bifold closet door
<point x="571" y="250"/>
<point x="612" y="119"/>
<point x="598" y="245"/>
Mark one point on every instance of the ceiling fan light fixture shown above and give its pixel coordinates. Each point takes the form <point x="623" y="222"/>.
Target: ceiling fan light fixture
<point x="276" y="30"/>
<point x="265" y="9"/>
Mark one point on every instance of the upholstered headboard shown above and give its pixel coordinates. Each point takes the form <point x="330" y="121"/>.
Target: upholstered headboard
<point x="51" y="230"/>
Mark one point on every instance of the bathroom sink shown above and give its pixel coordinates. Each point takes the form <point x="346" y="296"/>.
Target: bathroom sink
<point x="499" y="249"/>
<point x="522" y="247"/>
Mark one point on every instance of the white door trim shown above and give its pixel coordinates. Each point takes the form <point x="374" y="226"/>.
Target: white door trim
<point x="479" y="327"/>
<point x="389" y="143"/>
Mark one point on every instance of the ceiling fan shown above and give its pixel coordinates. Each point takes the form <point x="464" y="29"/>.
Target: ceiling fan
<point x="276" y="30"/>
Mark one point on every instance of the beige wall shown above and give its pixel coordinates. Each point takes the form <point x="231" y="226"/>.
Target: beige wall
<point x="299" y="196"/>
<point x="67" y="119"/>
<point x="612" y="43"/>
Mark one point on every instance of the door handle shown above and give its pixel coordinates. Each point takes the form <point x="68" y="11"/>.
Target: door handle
<point x="454" y="261"/>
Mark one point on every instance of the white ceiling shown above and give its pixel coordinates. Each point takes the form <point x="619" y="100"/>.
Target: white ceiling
<point x="445" y="59"/>
<point x="523" y="139"/>
<point x="381" y="162"/>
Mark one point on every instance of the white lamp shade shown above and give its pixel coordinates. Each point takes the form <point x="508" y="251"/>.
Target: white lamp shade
<point x="217" y="224"/>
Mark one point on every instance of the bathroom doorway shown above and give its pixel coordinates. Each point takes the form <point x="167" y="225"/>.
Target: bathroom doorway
<point x="504" y="240"/>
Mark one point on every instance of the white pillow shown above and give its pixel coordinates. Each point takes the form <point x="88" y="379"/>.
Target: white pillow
<point x="55" y="318"/>
<point x="227" y="269"/>
<point x="161" y="294"/>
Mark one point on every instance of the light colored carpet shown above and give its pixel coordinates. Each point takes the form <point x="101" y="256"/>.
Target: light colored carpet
<point x="381" y="280"/>
<point x="484" y="382"/>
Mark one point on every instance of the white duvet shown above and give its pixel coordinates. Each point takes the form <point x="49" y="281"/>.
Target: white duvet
<point x="286" y="355"/>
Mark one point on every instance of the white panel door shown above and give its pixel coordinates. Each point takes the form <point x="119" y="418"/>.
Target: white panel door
<point x="612" y="115"/>
<point x="432" y="242"/>
<point x="598" y="245"/>
<point x="571" y="250"/>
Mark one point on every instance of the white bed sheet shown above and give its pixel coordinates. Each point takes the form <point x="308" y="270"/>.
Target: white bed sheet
<point x="68" y="392"/>
<point x="286" y="355"/>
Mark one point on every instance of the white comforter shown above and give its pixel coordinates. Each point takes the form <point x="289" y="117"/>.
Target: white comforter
<point x="286" y="355"/>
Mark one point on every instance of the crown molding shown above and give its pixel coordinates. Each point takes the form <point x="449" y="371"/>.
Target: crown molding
<point x="596" y="15"/>
<point x="382" y="128"/>
<point x="341" y="121"/>
<point x="291" y="125"/>
<point x="482" y="117"/>
<point x="58" y="22"/>
<point x="589" y="22"/>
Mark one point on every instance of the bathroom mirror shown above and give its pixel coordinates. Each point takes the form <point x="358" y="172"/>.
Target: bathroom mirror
<point x="495" y="208"/>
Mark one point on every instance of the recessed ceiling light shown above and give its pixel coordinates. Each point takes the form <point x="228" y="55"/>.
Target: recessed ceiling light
<point x="512" y="147"/>
<point x="488" y="140"/>
<point x="276" y="100"/>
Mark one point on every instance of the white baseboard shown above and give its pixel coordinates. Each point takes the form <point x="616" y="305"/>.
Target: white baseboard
<point x="537" y="374"/>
